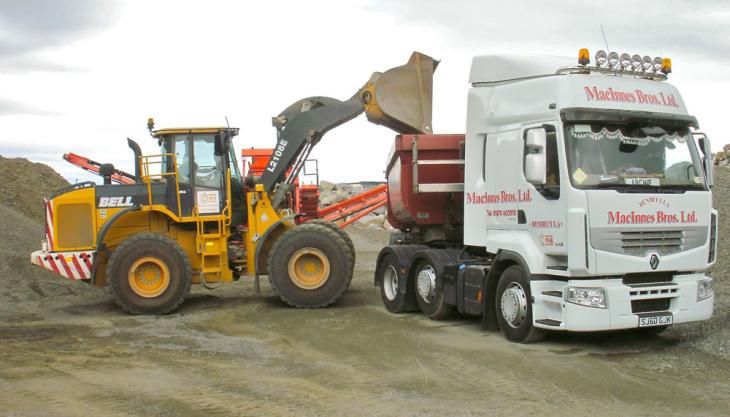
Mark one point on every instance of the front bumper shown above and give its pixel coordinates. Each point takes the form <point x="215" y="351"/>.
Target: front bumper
<point x="72" y="265"/>
<point x="551" y="311"/>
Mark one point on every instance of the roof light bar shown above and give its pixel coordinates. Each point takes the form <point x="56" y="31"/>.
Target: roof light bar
<point x="613" y="63"/>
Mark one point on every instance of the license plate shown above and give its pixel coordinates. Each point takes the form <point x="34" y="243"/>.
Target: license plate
<point x="655" y="320"/>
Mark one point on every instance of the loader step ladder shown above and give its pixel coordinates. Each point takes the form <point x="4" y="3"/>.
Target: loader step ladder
<point x="210" y="241"/>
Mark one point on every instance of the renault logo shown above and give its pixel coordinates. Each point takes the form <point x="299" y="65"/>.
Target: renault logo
<point x="654" y="261"/>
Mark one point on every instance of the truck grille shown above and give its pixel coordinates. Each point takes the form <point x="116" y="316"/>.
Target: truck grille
<point x="662" y="242"/>
<point x="650" y="305"/>
<point x="637" y="242"/>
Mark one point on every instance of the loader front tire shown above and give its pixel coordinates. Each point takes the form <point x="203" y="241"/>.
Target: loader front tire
<point x="309" y="266"/>
<point x="149" y="273"/>
<point x="343" y="234"/>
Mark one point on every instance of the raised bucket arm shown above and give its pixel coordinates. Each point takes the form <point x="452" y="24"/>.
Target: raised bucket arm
<point x="399" y="98"/>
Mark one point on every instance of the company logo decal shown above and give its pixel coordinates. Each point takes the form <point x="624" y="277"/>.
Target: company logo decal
<point x="115" y="201"/>
<point x="634" y="96"/>
<point x="520" y="196"/>
<point x="654" y="261"/>
<point x="660" y="216"/>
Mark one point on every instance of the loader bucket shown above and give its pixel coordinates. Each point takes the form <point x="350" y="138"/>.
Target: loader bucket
<point x="401" y="97"/>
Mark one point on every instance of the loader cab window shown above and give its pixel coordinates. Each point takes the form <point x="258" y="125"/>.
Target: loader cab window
<point x="182" y="158"/>
<point x="207" y="166"/>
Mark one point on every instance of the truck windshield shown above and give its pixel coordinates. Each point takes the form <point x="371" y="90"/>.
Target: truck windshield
<point x="645" y="157"/>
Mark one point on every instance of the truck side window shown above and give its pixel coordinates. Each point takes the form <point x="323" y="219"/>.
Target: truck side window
<point x="551" y="189"/>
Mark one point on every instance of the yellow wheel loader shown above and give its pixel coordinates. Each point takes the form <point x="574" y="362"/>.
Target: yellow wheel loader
<point x="191" y="218"/>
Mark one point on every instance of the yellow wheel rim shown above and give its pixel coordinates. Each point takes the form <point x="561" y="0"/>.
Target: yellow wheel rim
<point x="309" y="268"/>
<point x="149" y="277"/>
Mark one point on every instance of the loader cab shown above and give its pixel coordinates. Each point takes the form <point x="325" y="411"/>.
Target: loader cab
<point x="203" y="156"/>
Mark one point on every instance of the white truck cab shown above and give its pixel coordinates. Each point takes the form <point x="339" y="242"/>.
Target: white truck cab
<point x="587" y="201"/>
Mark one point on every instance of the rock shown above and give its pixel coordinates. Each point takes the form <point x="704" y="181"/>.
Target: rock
<point x="372" y="221"/>
<point x="326" y="186"/>
<point x="332" y="197"/>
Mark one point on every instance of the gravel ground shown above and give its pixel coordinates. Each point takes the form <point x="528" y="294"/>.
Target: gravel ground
<point x="67" y="350"/>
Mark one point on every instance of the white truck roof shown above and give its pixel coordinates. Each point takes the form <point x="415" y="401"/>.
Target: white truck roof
<point x="496" y="68"/>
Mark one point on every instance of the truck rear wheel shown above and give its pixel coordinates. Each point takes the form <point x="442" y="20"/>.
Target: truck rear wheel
<point x="149" y="274"/>
<point x="514" y="307"/>
<point x="309" y="266"/>
<point x="391" y="279"/>
<point x="429" y="294"/>
<point x="343" y="234"/>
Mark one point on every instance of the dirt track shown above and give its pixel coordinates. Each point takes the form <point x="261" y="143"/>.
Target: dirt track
<point x="228" y="352"/>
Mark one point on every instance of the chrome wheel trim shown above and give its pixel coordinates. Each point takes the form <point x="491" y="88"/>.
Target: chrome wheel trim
<point x="513" y="305"/>
<point x="390" y="283"/>
<point x="426" y="283"/>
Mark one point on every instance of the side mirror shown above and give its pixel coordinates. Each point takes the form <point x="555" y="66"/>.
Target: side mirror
<point x="707" y="162"/>
<point x="535" y="160"/>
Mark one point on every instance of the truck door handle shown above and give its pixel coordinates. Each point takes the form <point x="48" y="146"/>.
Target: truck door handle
<point x="521" y="218"/>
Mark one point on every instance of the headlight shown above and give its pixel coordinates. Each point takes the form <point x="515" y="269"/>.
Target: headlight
<point x="704" y="289"/>
<point x="613" y="60"/>
<point x="589" y="297"/>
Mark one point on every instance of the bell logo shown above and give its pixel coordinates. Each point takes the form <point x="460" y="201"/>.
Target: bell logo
<point x="654" y="261"/>
<point x="115" y="201"/>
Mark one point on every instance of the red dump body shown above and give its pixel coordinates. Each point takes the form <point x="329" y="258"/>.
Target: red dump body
<point x="408" y="208"/>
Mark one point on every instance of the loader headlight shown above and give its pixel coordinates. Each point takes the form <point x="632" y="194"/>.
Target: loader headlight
<point x="589" y="297"/>
<point x="704" y="289"/>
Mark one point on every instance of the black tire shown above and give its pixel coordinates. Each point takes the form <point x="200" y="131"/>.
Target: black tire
<point x="517" y="305"/>
<point x="343" y="234"/>
<point x="163" y="250"/>
<point x="431" y="303"/>
<point x="328" y="245"/>
<point x="391" y="278"/>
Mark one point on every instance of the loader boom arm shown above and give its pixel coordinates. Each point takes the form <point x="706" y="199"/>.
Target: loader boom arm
<point x="400" y="99"/>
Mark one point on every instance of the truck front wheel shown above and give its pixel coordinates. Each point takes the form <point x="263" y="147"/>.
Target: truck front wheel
<point x="514" y="307"/>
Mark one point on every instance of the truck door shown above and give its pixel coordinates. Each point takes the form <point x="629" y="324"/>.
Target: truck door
<point x="208" y="174"/>
<point x="542" y="208"/>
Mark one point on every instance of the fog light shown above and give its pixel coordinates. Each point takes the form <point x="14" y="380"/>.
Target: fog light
<point x="589" y="297"/>
<point x="613" y="59"/>
<point x="704" y="289"/>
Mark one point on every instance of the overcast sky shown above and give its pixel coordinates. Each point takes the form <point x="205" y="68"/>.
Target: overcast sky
<point x="82" y="75"/>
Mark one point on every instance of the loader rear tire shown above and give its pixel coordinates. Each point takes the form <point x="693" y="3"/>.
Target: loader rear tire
<point x="343" y="234"/>
<point x="309" y="266"/>
<point x="149" y="273"/>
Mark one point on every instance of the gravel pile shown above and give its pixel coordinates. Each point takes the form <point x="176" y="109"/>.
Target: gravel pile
<point x="24" y="185"/>
<point x="713" y="336"/>
<point x="23" y="287"/>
